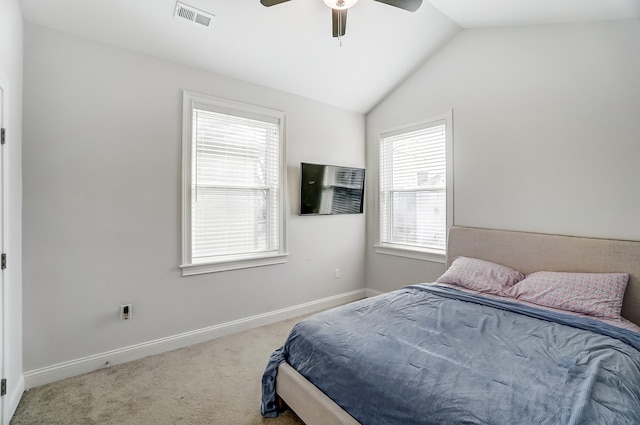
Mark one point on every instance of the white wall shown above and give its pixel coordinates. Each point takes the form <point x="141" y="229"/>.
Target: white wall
<point x="546" y="133"/>
<point x="11" y="81"/>
<point x="102" y="141"/>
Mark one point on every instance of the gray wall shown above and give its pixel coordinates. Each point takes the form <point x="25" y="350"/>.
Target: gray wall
<point x="102" y="140"/>
<point x="11" y="81"/>
<point x="546" y="133"/>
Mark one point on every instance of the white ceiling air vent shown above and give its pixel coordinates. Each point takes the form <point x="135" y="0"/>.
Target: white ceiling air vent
<point x="194" y="15"/>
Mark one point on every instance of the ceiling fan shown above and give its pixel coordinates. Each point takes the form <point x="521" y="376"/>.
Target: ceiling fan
<point x="339" y="10"/>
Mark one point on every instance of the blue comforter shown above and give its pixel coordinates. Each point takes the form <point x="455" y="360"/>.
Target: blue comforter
<point x="432" y="355"/>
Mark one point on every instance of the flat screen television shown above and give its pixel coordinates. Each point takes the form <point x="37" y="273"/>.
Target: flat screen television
<point x="331" y="189"/>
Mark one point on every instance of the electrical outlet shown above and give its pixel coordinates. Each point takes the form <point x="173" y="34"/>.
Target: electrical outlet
<point x="336" y="273"/>
<point x="125" y="312"/>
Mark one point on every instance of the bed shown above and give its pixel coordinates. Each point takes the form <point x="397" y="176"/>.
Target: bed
<point x="494" y="353"/>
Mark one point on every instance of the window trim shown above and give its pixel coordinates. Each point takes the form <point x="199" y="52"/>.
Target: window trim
<point x="229" y="262"/>
<point x="425" y="254"/>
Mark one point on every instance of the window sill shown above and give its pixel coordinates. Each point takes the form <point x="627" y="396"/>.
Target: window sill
<point x="236" y="264"/>
<point x="435" y="256"/>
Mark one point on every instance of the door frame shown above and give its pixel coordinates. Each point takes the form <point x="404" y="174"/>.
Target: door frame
<point x="3" y="235"/>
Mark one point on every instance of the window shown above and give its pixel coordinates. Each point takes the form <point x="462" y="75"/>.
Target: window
<point x="233" y="185"/>
<point x="415" y="190"/>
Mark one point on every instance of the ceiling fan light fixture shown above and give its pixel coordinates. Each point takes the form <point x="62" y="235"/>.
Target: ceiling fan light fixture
<point x="340" y="4"/>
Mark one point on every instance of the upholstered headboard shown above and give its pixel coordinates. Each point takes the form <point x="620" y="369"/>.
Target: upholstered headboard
<point x="530" y="252"/>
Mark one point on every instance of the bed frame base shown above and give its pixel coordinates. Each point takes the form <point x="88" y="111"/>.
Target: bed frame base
<point x="310" y="404"/>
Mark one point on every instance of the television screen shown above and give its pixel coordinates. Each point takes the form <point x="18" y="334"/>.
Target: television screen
<point x="330" y="189"/>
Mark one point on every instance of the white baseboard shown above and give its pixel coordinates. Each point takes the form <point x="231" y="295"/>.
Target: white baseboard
<point x="12" y="400"/>
<point x="372" y="292"/>
<point x="48" y="374"/>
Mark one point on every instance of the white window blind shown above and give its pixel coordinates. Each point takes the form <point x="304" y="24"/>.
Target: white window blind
<point x="413" y="187"/>
<point x="235" y="185"/>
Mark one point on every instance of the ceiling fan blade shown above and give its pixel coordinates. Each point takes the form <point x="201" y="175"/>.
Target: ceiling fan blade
<point x="339" y="19"/>
<point x="269" y="3"/>
<point x="410" y="5"/>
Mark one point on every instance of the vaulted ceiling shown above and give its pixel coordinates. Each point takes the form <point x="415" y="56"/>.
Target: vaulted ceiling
<point x="290" y="47"/>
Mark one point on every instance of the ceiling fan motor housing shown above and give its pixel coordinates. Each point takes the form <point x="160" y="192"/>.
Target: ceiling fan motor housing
<point x="340" y="4"/>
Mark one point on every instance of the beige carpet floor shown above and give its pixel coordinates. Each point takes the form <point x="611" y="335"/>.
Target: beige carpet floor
<point x="216" y="382"/>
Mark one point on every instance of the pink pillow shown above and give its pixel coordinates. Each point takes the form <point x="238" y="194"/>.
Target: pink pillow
<point x="480" y="275"/>
<point x="595" y="294"/>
